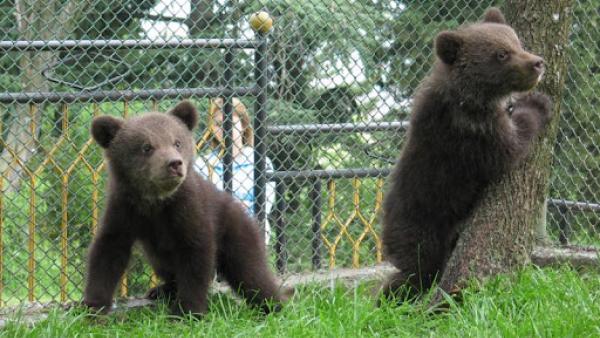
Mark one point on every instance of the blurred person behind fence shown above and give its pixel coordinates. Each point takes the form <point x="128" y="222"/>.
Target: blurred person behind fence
<point x="212" y="167"/>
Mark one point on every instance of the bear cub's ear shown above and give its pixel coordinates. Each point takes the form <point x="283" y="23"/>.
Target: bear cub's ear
<point x="493" y="15"/>
<point x="447" y="46"/>
<point x="187" y="113"/>
<point x="105" y="128"/>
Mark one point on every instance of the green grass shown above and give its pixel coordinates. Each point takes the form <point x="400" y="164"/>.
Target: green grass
<point x="533" y="302"/>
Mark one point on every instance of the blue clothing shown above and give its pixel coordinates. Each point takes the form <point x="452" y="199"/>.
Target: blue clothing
<point x="211" y="168"/>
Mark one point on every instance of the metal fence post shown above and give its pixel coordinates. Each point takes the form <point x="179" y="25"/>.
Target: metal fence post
<point x="228" y="124"/>
<point x="280" y="226"/>
<point x="317" y="244"/>
<point x="260" y="149"/>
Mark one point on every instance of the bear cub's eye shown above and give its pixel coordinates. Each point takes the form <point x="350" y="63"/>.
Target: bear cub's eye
<point x="147" y="148"/>
<point x="502" y="55"/>
<point x="177" y="144"/>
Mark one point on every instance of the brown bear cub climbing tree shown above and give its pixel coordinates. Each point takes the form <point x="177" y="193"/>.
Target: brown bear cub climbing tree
<point x="471" y="123"/>
<point x="186" y="227"/>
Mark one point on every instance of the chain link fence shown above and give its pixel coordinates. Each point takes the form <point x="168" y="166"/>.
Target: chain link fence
<point x="339" y="78"/>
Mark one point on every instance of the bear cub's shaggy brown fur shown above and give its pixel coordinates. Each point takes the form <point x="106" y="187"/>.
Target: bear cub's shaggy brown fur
<point x="186" y="227"/>
<point x="462" y="137"/>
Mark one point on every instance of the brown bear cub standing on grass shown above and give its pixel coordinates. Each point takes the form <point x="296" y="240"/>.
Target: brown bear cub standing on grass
<point x="463" y="136"/>
<point x="187" y="228"/>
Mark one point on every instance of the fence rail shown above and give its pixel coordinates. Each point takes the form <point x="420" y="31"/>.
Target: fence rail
<point x="312" y="129"/>
<point x="332" y="173"/>
<point x="575" y="205"/>
<point x="64" y="45"/>
<point x="116" y="95"/>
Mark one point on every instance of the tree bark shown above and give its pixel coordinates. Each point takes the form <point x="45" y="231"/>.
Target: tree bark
<point x="501" y="233"/>
<point x="35" y="20"/>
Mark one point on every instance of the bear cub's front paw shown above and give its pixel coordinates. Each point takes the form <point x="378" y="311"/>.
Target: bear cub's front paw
<point x="538" y="101"/>
<point x="99" y="307"/>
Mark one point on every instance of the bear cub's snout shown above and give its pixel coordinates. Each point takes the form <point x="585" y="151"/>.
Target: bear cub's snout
<point x="175" y="167"/>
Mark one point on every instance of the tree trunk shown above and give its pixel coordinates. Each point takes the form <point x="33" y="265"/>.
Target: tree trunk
<point x="36" y="20"/>
<point x="501" y="233"/>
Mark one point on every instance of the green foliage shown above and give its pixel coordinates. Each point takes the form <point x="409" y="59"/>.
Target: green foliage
<point x="577" y="150"/>
<point x="109" y="19"/>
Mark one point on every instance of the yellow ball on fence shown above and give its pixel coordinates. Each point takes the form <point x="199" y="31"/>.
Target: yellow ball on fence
<point x="261" y="22"/>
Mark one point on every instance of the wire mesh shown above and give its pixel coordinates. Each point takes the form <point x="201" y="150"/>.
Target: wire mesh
<point x="339" y="76"/>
